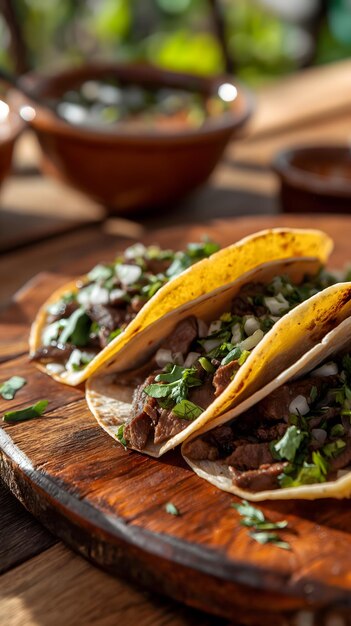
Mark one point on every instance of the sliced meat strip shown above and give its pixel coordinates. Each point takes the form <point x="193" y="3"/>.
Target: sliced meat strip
<point x="224" y="375"/>
<point x="265" y="477"/>
<point x="108" y="317"/>
<point x="250" y="456"/>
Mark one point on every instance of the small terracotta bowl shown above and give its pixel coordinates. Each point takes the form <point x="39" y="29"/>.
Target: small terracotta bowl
<point x="11" y="126"/>
<point x="126" y="171"/>
<point x="315" y="179"/>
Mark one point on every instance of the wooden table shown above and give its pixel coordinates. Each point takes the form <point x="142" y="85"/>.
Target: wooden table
<point x="42" y="582"/>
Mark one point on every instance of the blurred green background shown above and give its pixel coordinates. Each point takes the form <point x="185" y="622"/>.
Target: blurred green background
<point x="265" y="38"/>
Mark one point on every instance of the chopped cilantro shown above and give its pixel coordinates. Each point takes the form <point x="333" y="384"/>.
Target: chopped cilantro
<point x="9" y="387"/>
<point x="114" y="334"/>
<point x="233" y="355"/>
<point x="244" y="355"/>
<point x="338" y="430"/>
<point x="288" y="445"/>
<point x="334" y="448"/>
<point x="30" y="412"/>
<point x="309" y="473"/>
<point x="171" y="509"/>
<point x="120" y="435"/>
<point x="174" y="384"/>
<point x="254" y="518"/>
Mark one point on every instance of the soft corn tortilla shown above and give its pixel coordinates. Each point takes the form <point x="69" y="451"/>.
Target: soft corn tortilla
<point x="110" y="391"/>
<point x="221" y="268"/>
<point x="218" y="474"/>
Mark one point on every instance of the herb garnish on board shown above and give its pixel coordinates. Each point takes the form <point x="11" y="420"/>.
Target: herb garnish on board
<point x="254" y="518"/>
<point x="30" y="412"/>
<point x="9" y="388"/>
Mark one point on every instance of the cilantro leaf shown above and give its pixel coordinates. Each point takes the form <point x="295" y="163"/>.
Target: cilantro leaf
<point x="9" y="387"/>
<point x="187" y="410"/>
<point x="171" y="509"/>
<point x="30" y="412"/>
<point x="77" y="329"/>
<point x="289" y="444"/>
<point x="263" y="537"/>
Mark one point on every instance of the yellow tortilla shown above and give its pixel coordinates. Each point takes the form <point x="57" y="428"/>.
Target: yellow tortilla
<point x="109" y="394"/>
<point x="218" y="474"/>
<point x="223" y="267"/>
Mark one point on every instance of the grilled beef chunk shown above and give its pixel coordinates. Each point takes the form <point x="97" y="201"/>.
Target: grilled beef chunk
<point x="250" y="456"/>
<point x="224" y="376"/>
<point x="269" y="433"/>
<point x="200" y="450"/>
<point x="265" y="477"/>
<point x="276" y="405"/>
<point x="59" y="353"/>
<point x="243" y="305"/>
<point x="168" y="425"/>
<point x="182" y="336"/>
<point x="136" y="433"/>
<point x="202" y="396"/>
<point x="108" y="318"/>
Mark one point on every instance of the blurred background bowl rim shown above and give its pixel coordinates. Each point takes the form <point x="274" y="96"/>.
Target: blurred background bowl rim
<point x="223" y="123"/>
<point x="307" y="180"/>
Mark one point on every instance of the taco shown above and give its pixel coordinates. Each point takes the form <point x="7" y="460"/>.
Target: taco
<point x="292" y="439"/>
<point x="86" y="321"/>
<point x="209" y="356"/>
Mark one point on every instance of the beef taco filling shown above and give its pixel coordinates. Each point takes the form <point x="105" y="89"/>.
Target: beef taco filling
<point x="198" y="361"/>
<point x="83" y="322"/>
<point x="298" y="435"/>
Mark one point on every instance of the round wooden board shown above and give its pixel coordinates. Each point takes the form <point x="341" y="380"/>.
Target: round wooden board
<point x="108" y="504"/>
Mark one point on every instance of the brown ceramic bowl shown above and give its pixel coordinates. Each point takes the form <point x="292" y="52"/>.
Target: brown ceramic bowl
<point x="126" y="171"/>
<point x="315" y="179"/>
<point x="11" y="126"/>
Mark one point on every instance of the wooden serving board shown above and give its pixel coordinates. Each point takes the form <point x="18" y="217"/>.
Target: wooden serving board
<point x="108" y="504"/>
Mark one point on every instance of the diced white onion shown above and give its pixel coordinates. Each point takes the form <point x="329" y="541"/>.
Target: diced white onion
<point x="135" y="251"/>
<point x="276" y="304"/>
<point x="202" y="328"/>
<point x="236" y="333"/>
<point x="74" y="359"/>
<point x="116" y="294"/>
<point x="55" y="368"/>
<point x="84" y="296"/>
<point x="251" y="342"/>
<point x="328" y="369"/>
<point x="214" y="327"/>
<point x="191" y="358"/>
<point x="163" y="357"/>
<point x="52" y="331"/>
<point x="319" y="435"/>
<point x="299" y="406"/>
<point x="128" y="274"/>
<point x="99" y="295"/>
<point x="210" y="344"/>
<point x="251" y="325"/>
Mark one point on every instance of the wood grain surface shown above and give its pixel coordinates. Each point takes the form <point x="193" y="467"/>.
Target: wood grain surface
<point x="108" y="504"/>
